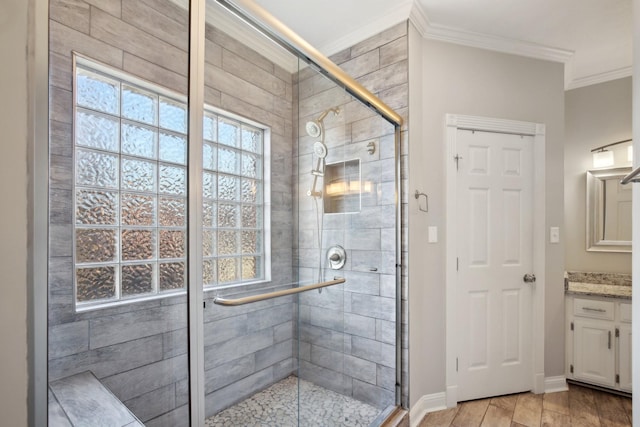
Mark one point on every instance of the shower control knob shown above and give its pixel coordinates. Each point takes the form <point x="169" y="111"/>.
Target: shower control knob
<point x="337" y="256"/>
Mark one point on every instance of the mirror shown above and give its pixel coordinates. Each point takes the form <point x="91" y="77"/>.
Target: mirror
<point x="608" y="211"/>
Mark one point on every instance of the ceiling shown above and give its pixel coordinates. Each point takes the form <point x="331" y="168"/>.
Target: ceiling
<point x="592" y="37"/>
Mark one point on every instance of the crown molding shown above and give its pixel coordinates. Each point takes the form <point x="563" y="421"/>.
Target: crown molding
<point x="499" y="44"/>
<point x="599" y="78"/>
<point x="419" y="18"/>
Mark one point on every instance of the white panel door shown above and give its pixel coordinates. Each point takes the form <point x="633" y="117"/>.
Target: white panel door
<point x="495" y="251"/>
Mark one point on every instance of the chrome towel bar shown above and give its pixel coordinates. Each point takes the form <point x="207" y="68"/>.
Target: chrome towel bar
<point x="631" y="177"/>
<point x="275" y="294"/>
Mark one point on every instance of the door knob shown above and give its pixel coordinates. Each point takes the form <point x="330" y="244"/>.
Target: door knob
<point x="529" y="278"/>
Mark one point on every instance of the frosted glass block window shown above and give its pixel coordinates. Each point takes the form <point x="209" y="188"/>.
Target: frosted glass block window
<point x="233" y="188"/>
<point x="130" y="192"/>
<point x="130" y="204"/>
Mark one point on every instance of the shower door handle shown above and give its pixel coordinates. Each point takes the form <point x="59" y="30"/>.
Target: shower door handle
<point x="276" y="294"/>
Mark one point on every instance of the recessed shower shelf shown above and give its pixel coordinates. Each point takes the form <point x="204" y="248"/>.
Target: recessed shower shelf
<point x="342" y="187"/>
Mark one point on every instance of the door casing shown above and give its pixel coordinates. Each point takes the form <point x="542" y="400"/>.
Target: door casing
<point x="454" y="123"/>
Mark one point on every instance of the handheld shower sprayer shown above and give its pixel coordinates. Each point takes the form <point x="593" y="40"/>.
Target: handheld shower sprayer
<point x="315" y="129"/>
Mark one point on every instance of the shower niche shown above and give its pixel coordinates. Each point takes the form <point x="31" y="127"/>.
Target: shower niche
<point x="343" y="187"/>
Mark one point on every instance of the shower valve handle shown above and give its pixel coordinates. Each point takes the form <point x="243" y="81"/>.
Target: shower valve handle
<point x="337" y="256"/>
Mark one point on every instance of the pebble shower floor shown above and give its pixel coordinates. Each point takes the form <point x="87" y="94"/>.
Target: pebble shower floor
<point x="278" y="406"/>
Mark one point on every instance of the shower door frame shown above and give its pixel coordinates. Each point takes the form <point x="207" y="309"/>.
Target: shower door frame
<point x="38" y="213"/>
<point x="38" y="189"/>
<point x="195" y="293"/>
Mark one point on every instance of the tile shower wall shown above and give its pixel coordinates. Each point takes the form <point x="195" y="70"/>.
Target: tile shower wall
<point x="139" y="350"/>
<point x="347" y="332"/>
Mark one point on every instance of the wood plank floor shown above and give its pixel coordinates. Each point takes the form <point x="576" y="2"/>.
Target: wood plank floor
<point x="580" y="406"/>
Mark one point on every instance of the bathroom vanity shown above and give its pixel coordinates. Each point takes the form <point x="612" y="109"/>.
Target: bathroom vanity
<point x="598" y="325"/>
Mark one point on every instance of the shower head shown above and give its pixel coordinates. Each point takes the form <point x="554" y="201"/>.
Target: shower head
<point x="315" y="128"/>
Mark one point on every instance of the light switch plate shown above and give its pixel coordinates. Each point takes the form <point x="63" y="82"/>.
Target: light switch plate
<point x="554" y="235"/>
<point x="433" y="234"/>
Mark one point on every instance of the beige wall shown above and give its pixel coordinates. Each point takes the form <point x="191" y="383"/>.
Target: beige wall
<point x="462" y="80"/>
<point x="13" y="215"/>
<point x="594" y="116"/>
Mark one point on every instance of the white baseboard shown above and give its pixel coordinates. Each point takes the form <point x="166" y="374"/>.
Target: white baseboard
<point x="438" y="401"/>
<point x="427" y="403"/>
<point x="554" y="384"/>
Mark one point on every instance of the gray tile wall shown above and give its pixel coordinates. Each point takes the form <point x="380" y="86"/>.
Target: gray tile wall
<point x="139" y="350"/>
<point x="348" y="332"/>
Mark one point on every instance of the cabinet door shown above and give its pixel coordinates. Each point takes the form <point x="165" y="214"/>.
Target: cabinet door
<point x="594" y="351"/>
<point x="625" y="357"/>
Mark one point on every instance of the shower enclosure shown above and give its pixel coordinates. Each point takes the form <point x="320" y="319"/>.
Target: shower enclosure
<point x="223" y="223"/>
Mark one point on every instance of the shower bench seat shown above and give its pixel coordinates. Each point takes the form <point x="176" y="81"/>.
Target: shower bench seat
<point x="82" y="400"/>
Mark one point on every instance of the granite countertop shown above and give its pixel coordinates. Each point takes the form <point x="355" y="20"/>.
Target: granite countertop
<point x="602" y="290"/>
<point x="598" y="284"/>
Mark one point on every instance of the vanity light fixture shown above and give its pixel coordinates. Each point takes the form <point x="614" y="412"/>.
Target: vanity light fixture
<point x="603" y="158"/>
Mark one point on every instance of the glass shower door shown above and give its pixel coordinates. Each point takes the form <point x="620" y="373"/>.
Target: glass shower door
<point x="247" y="225"/>
<point x="299" y="188"/>
<point x="117" y="306"/>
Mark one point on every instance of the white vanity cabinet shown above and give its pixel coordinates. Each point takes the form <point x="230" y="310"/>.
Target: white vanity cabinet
<point x="599" y="341"/>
